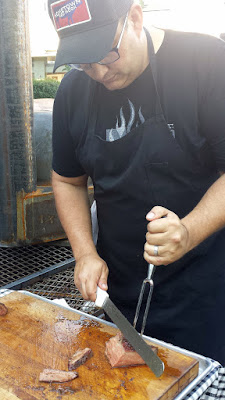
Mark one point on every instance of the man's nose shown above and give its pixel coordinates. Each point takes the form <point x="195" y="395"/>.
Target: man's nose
<point x="98" y="71"/>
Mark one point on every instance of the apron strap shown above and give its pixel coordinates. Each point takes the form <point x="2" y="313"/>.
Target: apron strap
<point x="151" y="55"/>
<point x="93" y="109"/>
<point x="153" y="65"/>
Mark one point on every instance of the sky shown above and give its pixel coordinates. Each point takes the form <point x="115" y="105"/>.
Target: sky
<point x="206" y="16"/>
<point x="42" y="34"/>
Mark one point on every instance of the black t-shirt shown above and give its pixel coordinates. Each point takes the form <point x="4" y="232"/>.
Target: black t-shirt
<point x="191" y="87"/>
<point x="120" y="111"/>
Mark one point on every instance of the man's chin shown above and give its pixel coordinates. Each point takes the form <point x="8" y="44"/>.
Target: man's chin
<point x="116" y="84"/>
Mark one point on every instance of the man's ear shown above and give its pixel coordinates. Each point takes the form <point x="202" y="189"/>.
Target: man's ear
<point x="136" y="17"/>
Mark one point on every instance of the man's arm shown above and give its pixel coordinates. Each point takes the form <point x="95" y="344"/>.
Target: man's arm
<point x="72" y="203"/>
<point x="175" y="237"/>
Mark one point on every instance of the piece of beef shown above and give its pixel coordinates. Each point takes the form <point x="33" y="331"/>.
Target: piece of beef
<point x="66" y="330"/>
<point x="120" y="353"/>
<point x="79" y="358"/>
<point x="3" y="310"/>
<point x="56" y="375"/>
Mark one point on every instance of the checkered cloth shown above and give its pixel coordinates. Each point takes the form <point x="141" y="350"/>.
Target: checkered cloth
<point x="211" y="387"/>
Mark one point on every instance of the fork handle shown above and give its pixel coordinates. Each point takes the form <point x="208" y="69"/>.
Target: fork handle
<point x="151" y="270"/>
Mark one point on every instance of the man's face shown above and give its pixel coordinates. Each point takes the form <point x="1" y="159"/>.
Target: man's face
<point x="133" y="60"/>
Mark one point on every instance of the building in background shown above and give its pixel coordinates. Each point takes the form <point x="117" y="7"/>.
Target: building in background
<point x="44" y="42"/>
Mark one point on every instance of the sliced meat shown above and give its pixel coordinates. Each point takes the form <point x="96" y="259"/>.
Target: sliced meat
<point x="120" y="353"/>
<point x="79" y="358"/>
<point x="56" y="375"/>
<point x="3" y="310"/>
<point x="66" y="330"/>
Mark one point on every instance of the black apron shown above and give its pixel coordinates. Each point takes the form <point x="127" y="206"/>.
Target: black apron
<point x="147" y="167"/>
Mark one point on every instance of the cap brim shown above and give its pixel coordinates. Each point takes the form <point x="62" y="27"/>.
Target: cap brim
<point x="86" y="47"/>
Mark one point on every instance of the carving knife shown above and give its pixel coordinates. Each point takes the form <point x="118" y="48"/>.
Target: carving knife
<point x="133" y="337"/>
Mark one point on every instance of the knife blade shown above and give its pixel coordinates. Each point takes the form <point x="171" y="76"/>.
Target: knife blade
<point x="133" y="337"/>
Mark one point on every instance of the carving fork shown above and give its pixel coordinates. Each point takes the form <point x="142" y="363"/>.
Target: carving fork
<point x="148" y="280"/>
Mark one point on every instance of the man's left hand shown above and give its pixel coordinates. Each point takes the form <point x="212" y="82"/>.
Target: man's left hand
<point x="166" y="236"/>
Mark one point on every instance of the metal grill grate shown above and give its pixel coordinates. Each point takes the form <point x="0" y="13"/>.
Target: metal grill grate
<point x="60" y="286"/>
<point x="45" y="270"/>
<point x="19" y="262"/>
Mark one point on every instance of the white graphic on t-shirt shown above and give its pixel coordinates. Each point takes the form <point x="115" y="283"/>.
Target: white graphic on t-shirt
<point x="172" y="130"/>
<point x="121" y="130"/>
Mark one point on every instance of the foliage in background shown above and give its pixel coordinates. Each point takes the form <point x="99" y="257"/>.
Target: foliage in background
<point x="67" y="68"/>
<point x="45" y="88"/>
<point x="142" y="3"/>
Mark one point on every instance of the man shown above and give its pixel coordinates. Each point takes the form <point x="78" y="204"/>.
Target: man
<point x="143" y="115"/>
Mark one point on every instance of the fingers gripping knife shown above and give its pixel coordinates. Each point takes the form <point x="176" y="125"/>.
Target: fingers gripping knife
<point x="130" y="333"/>
<point x="148" y="280"/>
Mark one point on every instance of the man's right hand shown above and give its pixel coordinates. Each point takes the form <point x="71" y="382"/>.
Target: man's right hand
<point x="90" y="271"/>
<point x="73" y="206"/>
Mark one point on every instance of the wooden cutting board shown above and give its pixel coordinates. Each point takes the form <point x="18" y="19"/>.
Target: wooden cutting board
<point x="33" y="337"/>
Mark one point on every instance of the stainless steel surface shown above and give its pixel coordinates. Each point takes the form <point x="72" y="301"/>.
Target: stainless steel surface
<point x="141" y="347"/>
<point x="205" y="364"/>
<point x="148" y="280"/>
<point x="4" y="292"/>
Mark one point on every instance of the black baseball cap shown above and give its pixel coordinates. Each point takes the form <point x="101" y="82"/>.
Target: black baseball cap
<point x="86" y="28"/>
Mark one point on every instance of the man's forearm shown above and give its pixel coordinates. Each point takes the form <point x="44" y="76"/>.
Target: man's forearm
<point x="208" y="216"/>
<point x="74" y="212"/>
